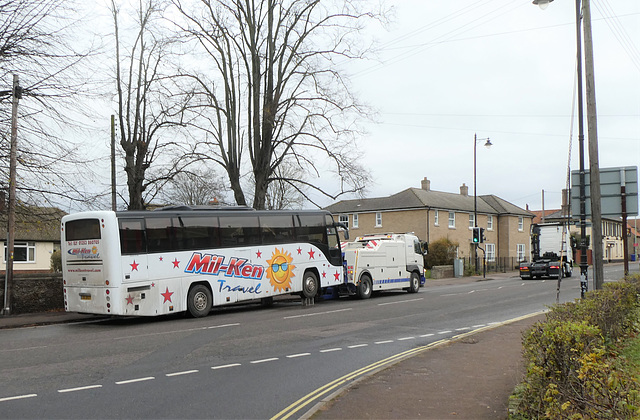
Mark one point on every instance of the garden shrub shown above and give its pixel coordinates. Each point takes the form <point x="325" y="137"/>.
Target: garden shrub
<point x="572" y="366"/>
<point x="441" y="252"/>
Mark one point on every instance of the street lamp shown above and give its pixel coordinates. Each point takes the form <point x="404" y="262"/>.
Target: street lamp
<point x="542" y="3"/>
<point x="487" y="144"/>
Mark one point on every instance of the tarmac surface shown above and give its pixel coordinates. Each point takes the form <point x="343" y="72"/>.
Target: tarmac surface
<point x="469" y="377"/>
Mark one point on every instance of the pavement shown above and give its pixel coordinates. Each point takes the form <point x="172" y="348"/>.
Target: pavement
<point x="468" y="377"/>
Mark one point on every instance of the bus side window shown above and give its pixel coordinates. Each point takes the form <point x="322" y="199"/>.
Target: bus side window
<point x="276" y="229"/>
<point x="132" y="239"/>
<point x="198" y="232"/>
<point x="239" y="230"/>
<point x="160" y="234"/>
<point x="311" y="228"/>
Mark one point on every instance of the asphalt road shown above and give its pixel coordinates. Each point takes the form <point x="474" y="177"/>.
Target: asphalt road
<point x="242" y="361"/>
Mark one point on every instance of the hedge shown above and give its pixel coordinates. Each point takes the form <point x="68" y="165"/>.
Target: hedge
<point x="573" y="368"/>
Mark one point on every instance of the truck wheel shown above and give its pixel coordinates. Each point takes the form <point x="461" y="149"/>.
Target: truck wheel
<point x="309" y="285"/>
<point x="569" y="271"/>
<point x="199" y="301"/>
<point x="364" y="287"/>
<point x="414" y="283"/>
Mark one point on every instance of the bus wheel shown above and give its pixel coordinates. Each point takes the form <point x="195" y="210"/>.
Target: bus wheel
<point x="309" y="285"/>
<point x="364" y="287"/>
<point x="199" y="301"/>
<point x="414" y="283"/>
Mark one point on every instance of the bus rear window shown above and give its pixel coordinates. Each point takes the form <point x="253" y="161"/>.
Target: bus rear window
<point x="83" y="229"/>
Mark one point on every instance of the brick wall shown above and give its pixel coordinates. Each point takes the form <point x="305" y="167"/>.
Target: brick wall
<point x="35" y="293"/>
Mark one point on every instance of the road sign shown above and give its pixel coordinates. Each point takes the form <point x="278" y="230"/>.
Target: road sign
<point x="611" y="179"/>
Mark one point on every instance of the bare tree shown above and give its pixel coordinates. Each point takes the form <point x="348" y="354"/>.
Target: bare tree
<point x="195" y="188"/>
<point x="147" y="106"/>
<point x="283" y="193"/>
<point x="34" y="44"/>
<point x="273" y="89"/>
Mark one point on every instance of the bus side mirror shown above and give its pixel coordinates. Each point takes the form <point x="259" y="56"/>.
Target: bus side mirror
<point x="345" y="230"/>
<point x="425" y="248"/>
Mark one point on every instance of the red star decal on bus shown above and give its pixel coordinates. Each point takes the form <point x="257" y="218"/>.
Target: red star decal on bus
<point x="176" y="263"/>
<point x="312" y="254"/>
<point x="134" y="266"/>
<point x="258" y="254"/>
<point x="337" y="276"/>
<point x="167" y="296"/>
<point x="299" y="251"/>
<point x="324" y="274"/>
<point x="160" y="258"/>
<point x="129" y="300"/>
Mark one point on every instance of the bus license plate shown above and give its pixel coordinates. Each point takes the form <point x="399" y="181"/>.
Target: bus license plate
<point x="85" y="297"/>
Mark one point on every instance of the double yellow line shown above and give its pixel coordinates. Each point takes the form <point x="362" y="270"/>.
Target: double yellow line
<point x="322" y="391"/>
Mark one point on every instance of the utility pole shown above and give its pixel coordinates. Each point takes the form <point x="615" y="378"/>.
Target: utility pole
<point x="11" y="210"/>
<point x="594" y="167"/>
<point x="113" y="162"/>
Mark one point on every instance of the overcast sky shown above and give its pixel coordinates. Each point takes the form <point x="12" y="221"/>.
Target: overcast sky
<point x="502" y="69"/>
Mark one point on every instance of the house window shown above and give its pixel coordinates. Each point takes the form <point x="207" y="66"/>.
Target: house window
<point x="472" y="220"/>
<point x="344" y="219"/>
<point x="520" y="223"/>
<point x="436" y="218"/>
<point x="22" y="252"/>
<point x="355" y="220"/>
<point x="491" y="252"/>
<point x="378" y="219"/>
<point x="521" y="253"/>
<point x="489" y="222"/>
<point x="452" y="219"/>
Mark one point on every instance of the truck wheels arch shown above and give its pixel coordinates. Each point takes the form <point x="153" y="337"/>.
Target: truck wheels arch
<point x="310" y="285"/>
<point x="414" y="282"/>
<point x="365" y="287"/>
<point x="199" y="301"/>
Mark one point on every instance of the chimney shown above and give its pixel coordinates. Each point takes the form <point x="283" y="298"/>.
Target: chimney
<point x="464" y="190"/>
<point x="425" y="184"/>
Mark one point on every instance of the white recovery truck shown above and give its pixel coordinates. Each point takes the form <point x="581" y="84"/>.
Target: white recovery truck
<point x="383" y="262"/>
<point x="551" y="252"/>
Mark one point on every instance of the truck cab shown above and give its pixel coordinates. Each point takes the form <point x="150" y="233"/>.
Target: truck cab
<point x="384" y="262"/>
<point x="551" y="252"/>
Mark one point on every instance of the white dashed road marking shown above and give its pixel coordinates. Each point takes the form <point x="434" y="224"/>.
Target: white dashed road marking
<point x="225" y="366"/>
<point x="271" y="359"/>
<point x="293" y="356"/>
<point x="81" y="388"/>
<point x="186" y="372"/>
<point x="131" y="381"/>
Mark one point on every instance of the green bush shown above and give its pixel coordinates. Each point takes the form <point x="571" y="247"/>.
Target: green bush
<point x="612" y="309"/>
<point x="441" y="252"/>
<point x="573" y="367"/>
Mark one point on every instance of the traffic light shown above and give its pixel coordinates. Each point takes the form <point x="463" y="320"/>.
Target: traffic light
<point x="476" y="235"/>
<point x="481" y="235"/>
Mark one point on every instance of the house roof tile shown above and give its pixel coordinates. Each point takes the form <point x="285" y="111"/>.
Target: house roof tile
<point x="417" y="198"/>
<point x="34" y="223"/>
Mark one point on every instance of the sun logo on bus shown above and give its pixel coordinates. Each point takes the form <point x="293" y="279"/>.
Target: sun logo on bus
<point x="280" y="270"/>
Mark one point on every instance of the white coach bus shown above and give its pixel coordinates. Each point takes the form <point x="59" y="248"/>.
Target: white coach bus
<point x="148" y="263"/>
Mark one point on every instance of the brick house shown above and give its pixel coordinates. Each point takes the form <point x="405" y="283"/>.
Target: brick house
<point x="435" y="214"/>
<point x="37" y="235"/>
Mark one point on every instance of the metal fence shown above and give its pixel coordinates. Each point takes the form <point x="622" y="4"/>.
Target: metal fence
<point x="497" y="265"/>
